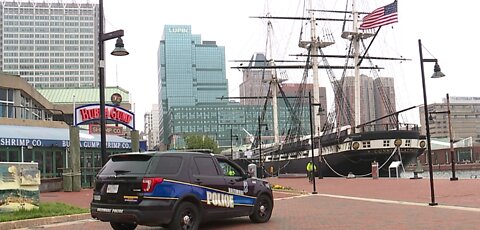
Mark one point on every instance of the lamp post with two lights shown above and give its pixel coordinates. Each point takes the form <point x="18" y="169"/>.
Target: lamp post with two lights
<point x="452" y="150"/>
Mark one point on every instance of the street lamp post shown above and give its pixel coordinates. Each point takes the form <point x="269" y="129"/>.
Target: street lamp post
<point x="312" y="141"/>
<point x="260" y="144"/>
<point x="118" y="51"/>
<point x="231" y="143"/>
<point x="452" y="150"/>
<point x="437" y="74"/>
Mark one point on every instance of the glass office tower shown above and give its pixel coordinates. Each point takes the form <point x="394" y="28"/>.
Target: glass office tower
<point x="191" y="72"/>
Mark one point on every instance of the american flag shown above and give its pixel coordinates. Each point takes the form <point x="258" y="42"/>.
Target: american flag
<point x="382" y="16"/>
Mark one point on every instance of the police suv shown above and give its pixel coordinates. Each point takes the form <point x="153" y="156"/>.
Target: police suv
<point x="178" y="190"/>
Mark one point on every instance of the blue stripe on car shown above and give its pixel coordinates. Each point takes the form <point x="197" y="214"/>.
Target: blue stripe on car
<point x="170" y="189"/>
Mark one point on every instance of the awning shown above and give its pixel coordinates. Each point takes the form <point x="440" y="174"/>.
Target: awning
<point x="13" y="135"/>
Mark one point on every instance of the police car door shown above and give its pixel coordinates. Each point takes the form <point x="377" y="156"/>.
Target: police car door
<point x="238" y="186"/>
<point x="209" y="185"/>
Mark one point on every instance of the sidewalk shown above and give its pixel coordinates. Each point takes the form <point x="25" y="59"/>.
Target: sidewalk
<point x="464" y="194"/>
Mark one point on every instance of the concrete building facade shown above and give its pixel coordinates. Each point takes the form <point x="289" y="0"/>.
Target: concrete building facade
<point x="373" y="95"/>
<point x="465" y="118"/>
<point x="51" y="45"/>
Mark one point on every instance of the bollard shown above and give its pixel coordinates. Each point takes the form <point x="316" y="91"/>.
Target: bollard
<point x="418" y="169"/>
<point x="67" y="180"/>
<point x="375" y="170"/>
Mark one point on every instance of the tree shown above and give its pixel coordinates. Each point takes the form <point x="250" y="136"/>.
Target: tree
<point x="197" y="141"/>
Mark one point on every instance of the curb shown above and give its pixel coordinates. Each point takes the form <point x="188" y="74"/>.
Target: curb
<point x="43" y="221"/>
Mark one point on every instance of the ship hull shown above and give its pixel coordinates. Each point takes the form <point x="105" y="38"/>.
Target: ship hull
<point x="351" y="154"/>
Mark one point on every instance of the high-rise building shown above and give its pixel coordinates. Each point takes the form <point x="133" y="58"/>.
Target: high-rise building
<point x="148" y="128"/>
<point x="255" y="82"/>
<point x="51" y="45"/>
<point x="384" y="91"/>
<point x="373" y="95"/>
<point x="152" y="123"/>
<point x="191" y="72"/>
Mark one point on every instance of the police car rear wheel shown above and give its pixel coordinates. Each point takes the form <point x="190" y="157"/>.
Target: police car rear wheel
<point x="123" y="226"/>
<point x="187" y="216"/>
<point x="262" y="211"/>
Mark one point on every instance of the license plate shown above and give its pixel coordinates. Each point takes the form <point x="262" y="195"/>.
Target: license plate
<point x="112" y="188"/>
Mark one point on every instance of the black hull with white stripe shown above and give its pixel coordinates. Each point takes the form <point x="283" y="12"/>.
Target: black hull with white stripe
<point x="348" y="153"/>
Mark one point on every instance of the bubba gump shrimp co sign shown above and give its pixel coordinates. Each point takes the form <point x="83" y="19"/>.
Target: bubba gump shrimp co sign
<point x="91" y="112"/>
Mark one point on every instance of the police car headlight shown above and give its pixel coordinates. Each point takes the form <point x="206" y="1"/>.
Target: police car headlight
<point x="96" y="197"/>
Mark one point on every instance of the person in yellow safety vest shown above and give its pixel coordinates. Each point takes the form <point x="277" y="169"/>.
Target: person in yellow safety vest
<point x="231" y="172"/>
<point x="310" y="171"/>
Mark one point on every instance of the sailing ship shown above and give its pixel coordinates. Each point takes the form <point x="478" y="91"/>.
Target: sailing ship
<point x="342" y="145"/>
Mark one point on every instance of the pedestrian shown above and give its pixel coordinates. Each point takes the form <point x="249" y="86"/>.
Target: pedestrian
<point x="311" y="168"/>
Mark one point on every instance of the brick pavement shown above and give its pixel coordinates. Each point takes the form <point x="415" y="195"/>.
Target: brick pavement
<point x="327" y="211"/>
<point x="464" y="193"/>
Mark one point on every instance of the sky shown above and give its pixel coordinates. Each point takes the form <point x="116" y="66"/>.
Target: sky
<point x="446" y="29"/>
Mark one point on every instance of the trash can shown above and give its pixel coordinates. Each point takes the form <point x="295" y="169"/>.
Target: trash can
<point x="67" y="180"/>
<point x="76" y="182"/>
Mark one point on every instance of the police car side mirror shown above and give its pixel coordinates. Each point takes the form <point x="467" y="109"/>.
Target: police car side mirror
<point x="243" y="177"/>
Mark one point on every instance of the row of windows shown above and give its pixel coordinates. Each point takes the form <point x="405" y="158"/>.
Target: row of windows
<point x="46" y="42"/>
<point x="32" y="75"/>
<point x="63" y="85"/>
<point x="47" y="54"/>
<point x="49" y="36"/>
<point x="54" y="66"/>
<point x="48" y="60"/>
<point x="48" y="30"/>
<point x="48" y="48"/>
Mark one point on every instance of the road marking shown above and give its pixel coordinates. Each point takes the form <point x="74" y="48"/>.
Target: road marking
<point x="402" y="202"/>
<point x="294" y="195"/>
<point x="451" y="207"/>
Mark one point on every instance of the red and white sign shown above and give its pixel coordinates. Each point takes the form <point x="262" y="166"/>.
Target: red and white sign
<point x="91" y="112"/>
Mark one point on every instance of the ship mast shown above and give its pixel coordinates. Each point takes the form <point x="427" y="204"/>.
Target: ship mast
<point x="356" y="54"/>
<point x="274" y="82"/>
<point x="272" y="79"/>
<point x="314" y="44"/>
<point x="316" y="85"/>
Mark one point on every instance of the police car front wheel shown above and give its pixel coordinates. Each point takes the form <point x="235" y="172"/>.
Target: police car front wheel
<point x="262" y="211"/>
<point x="187" y="216"/>
<point x="123" y="226"/>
